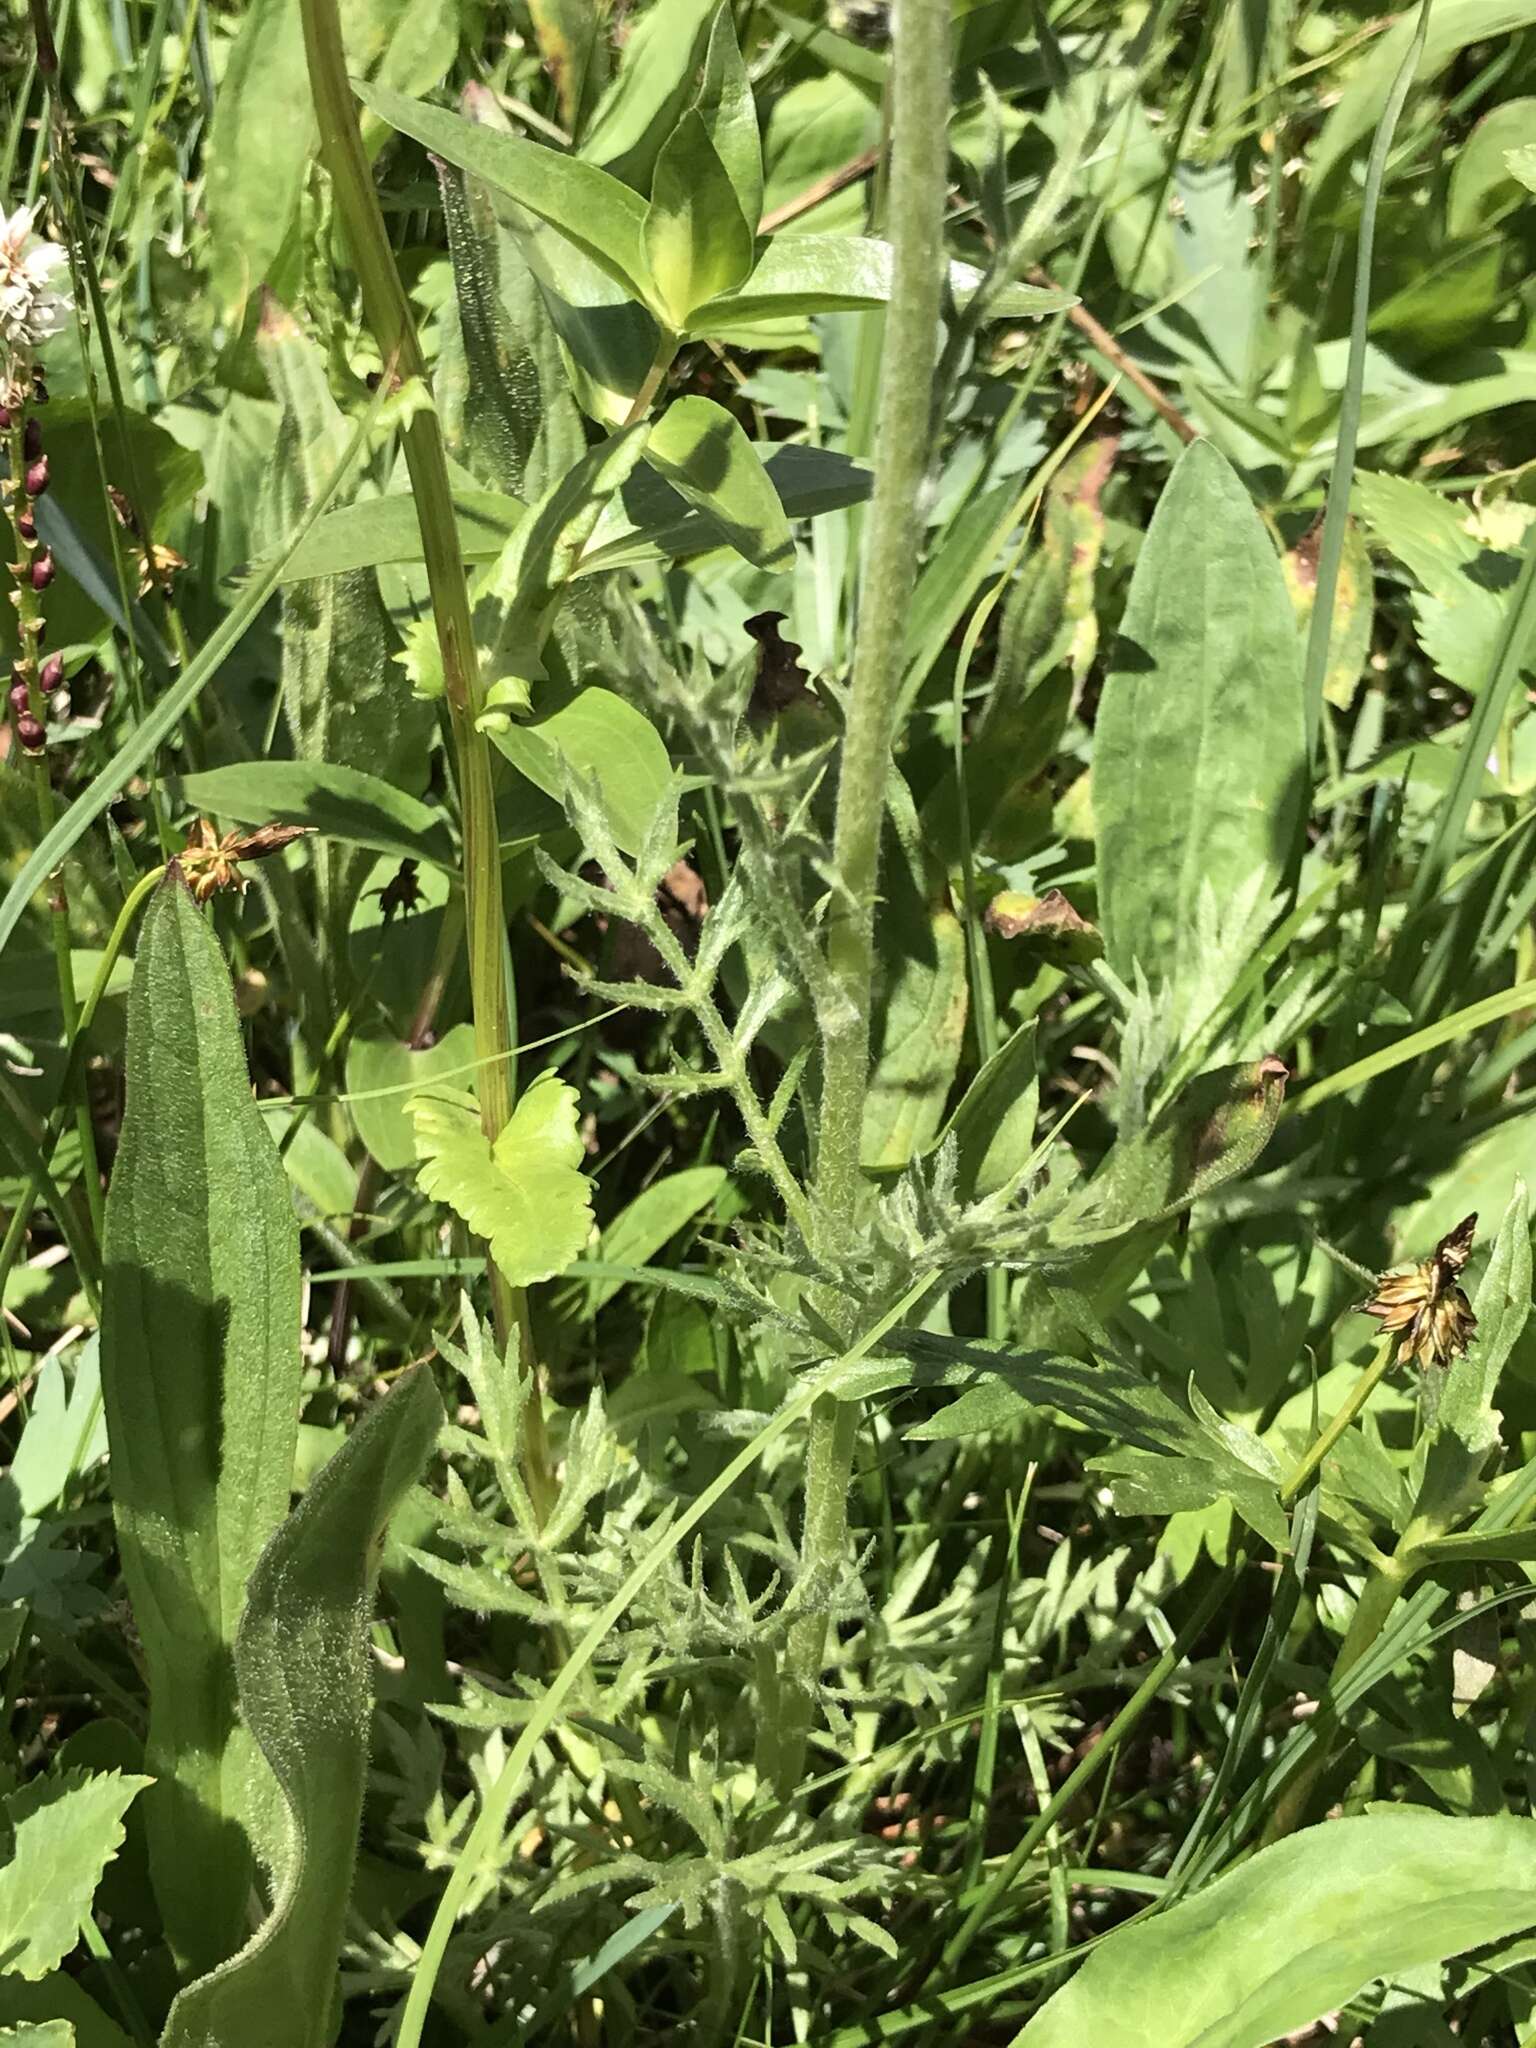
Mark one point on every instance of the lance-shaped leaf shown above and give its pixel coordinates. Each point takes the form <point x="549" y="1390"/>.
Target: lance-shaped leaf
<point x="388" y="530"/>
<point x="1214" y="1130"/>
<point x="994" y="1124"/>
<point x="639" y="110"/>
<point x="200" y="1371"/>
<point x="1200" y="753"/>
<point x="593" y="210"/>
<point x="1297" y="1931"/>
<point x="64" y="1832"/>
<point x="516" y="601"/>
<point x="726" y="107"/>
<point x="698" y="244"/>
<point x="525" y="1195"/>
<point x="302" y="1664"/>
<point x="703" y="453"/>
<point x="843" y="274"/>
<point x="336" y="802"/>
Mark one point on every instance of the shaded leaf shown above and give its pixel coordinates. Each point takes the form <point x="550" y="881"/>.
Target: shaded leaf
<point x="656" y="1214"/>
<point x="384" y="1122"/>
<point x="303" y="1667"/>
<point x="336" y="802"/>
<point x="994" y="1124"/>
<point x="699" y="448"/>
<point x="200" y="1370"/>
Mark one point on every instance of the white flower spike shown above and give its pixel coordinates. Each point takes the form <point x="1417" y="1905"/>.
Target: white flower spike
<point x="32" y="307"/>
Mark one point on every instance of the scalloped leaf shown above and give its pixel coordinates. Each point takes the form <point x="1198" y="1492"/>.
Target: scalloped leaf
<point x="525" y="1195"/>
<point x="67" y="1829"/>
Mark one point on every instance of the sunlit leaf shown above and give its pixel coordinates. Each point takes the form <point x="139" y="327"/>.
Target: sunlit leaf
<point x="525" y="1195"/>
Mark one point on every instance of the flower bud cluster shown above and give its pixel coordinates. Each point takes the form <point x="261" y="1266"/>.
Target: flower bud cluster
<point x="34" y="680"/>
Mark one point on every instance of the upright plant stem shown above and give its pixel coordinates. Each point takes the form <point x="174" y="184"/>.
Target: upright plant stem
<point x="920" y="119"/>
<point x="389" y="315"/>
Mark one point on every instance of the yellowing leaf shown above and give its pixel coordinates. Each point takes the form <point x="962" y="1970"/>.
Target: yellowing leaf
<point x="526" y="1195"/>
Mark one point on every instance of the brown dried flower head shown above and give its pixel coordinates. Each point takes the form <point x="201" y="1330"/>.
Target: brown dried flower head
<point x="1425" y="1302"/>
<point x="210" y="863"/>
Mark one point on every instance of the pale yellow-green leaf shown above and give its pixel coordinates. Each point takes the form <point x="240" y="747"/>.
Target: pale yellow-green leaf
<point x="526" y="1195"/>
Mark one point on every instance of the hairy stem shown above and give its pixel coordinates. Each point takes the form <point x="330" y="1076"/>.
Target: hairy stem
<point x="920" y="120"/>
<point x="389" y="316"/>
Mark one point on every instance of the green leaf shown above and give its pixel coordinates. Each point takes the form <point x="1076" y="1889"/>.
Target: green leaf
<point x="338" y="803"/>
<point x="303" y="1666"/>
<point x="1452" y="27"/>
<point x="994" y="1124"/>
<point x="516" y="601"/>
<point x="507" y="408"/>
<point x="1297" y="1931"/>
<point x="65" y="1830"/>
<point x="200" y="1369"/>
<point x="656" y="1214"/>
<point x="654" y="84"/>
<point x="263" y="139"/>
<point x="383" y="1121"/>
<point x="1463" y="605"/>
<point x="726" y="107"/>
<point x="646" y="518"/>
<point x="697" y="243"/>
<point x="1213" y="1131"/>
<point x="388" y="530"/>
<point x="592" y="733"/>
<point x="601" y="216"/>
<point x="700" y="449"/>
<point x="59" y="1998"/>
<point x="1200" y="766"/>
<point x="1485" y="184"/>
<point x="314" y="1162"/>
<point x="1522" y="165"/>
<point x="918" y="1030"/>
<point x="46" y="2034"/>
<point x="843" y="274"/>
<point x="525" y="1195"/>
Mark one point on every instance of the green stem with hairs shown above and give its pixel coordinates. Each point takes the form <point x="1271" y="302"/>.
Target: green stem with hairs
<point x="919" y="157"/>
<point x="388" y="314"/>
